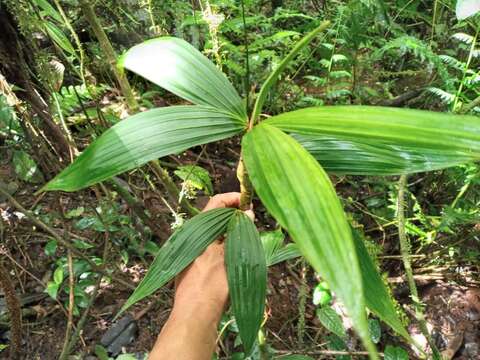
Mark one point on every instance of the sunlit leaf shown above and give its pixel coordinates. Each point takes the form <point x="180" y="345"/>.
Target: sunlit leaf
<point x="368" y="140"/>
<point x="298" y="193"/>
<point x="177" y="66"/>
<point x="247" y="276"/>
<point x="467" y="8"/>
<point x="184" y="246"/>
<point x="144" y="137"/>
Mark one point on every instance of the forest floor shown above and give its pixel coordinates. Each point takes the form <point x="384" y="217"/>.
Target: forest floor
<point x="449" y="291"/>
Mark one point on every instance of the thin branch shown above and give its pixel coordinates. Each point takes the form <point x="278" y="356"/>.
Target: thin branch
<point x="71" y="302"/>
<point x="63" y="241"/>
<point x="405" y="249"/>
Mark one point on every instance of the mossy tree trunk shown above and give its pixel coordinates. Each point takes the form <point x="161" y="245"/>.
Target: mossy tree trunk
<point x="17" y="65"/>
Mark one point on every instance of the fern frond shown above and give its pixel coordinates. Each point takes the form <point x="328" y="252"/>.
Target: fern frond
<point x="338" y="58"/>
<point x="337" y="74"/>
<point x="422" y="51"/>
<point x="465" y="38"/>
<point x="452" y="62"/>
<point x="473" y="80"/>
<point x="444" y="96"/>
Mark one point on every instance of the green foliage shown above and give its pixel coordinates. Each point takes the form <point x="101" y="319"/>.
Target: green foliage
<point x="289" y="181"/>
<point x="9" y="125"/>
<point x="321" y="294"/>
<point x="332" y="321"/>
<point x="275" y="249"/>
<point x="375" y="330"/>
<point x="180" y="250"/>
<point x="184" y="71"/>
<point x="395" y="353"/>
<point x="144" y="137"/>
<point x="318" y="224"/>
<point x="382" y="141"/>
<point x="196" y="177"/>
<point x="377" y="296"/>
<point x="26" y="168"/>
<point x="247" y="276"/>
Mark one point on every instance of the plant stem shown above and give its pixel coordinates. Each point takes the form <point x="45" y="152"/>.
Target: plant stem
<point x="69" y="26"/>
<point x="172" y="189"/>
<point x="13" y="306"/>
<point x="273" y="77"/>
<point x="134" y="204"/>
<point x="71" y="302"/>
<point x="467" y="108"/>
<point x="246" y="188"/>
<point x="82" y="321"/>
<point x="247" y="57"/>
<point x="434" y="20"/>
<point x="109" y="53"/>
<point x="302" y="302"/>
<point x="262" y="345"/>
<point x="72" y="146"/>
<point x="405" y="250"/>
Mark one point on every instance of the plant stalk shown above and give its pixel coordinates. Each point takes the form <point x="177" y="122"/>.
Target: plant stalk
<point x="69" y="26"/>
<point x="246" y="188"/>
<point x="172" y="189"/>
<point x="405" y="250"/>
<point x="135" y="204"/>
<point x="109" y="53"/>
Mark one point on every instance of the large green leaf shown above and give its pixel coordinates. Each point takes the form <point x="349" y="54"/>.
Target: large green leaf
<point x="144" y="137"/>
<point x="247" y="276"/>
<point x="467" y="8"/>
<point x="369" y="140"/>
<point x="376" y="295"/>
<point x="297" y="192"/>
<point x="186" y="244"/>
<point x="177" y="66"/>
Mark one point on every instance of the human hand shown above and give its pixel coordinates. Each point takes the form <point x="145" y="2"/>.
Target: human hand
<point x="204" y="282"/>
<point x="201" y="295"/>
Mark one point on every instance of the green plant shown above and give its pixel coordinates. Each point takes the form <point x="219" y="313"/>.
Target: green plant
<point x="285" y="159"/>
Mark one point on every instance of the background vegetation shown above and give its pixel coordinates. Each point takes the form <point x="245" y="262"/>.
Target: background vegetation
<point x="69" y="261"/>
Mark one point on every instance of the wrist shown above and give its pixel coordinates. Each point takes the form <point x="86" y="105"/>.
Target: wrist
<point x="207" y="310"/>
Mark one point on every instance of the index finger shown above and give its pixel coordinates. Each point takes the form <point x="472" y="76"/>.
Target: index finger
<point x="231" y="199"/>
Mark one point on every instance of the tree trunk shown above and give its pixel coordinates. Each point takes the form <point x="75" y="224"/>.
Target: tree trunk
<point x="17" y="66"/>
